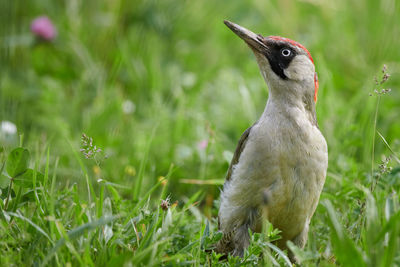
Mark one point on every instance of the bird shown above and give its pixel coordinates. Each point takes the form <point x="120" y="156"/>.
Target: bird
<point x="279" y="167"/>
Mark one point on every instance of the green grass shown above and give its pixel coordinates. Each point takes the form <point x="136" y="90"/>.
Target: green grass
<point x="191" y="80"/>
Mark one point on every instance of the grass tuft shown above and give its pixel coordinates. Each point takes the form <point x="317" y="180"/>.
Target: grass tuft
<point x="165" y="89"/>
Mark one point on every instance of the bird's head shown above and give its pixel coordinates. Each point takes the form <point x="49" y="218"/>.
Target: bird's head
<point x="285" y="64"/>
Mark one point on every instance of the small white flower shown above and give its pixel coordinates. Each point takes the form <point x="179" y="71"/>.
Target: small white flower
<point x="128" y="107"/>
<point x="189" y="79"/>
<point x="8" y="128"/>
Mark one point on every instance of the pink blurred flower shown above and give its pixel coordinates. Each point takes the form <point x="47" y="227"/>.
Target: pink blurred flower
<point x="202" y="144"/>
<point x="43" y="28"/>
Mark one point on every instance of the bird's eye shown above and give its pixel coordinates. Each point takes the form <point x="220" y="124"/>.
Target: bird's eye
<point x="286" y="52"/>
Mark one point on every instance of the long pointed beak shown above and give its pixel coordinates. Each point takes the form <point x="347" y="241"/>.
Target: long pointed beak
<point x="252" y="39"/>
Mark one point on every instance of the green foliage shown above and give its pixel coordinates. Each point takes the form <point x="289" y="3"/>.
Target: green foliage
<point x="164" y="91"/>
<point x="17" y="162"/>
<point x="26" y="179"/>
<point x="4" y="181"/>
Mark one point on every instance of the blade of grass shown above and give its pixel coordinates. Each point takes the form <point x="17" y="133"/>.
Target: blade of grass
<point x="374" y="135"/>
<point x="141" y="255"/>
<point x="345" y="249"/>
<point x="143" y="162"/>
<point x="77" y="232"/>
<point x="142" y="201"/>
<point x="203" y="182"/>
<point x="83" y="168"/>
<point x="40" y="230"/>
<point x="46" y="170"/>
<point x="280" y="253"/>
<point x="388" y="146"/>
<point x="68" y="244"/>
<point x="165" y="184"/>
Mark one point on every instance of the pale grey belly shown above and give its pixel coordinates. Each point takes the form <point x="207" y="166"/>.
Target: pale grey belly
<point x="294" y="192"/>
<point x="292" y="171"/>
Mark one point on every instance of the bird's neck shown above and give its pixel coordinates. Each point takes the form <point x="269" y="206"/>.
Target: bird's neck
<point x="291" y="102"/>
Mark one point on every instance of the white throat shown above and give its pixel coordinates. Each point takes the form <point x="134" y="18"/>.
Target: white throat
<point x="290" y="100"/>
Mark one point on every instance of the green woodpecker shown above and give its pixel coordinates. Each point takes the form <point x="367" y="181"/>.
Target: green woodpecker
<point x="280" y="163"/>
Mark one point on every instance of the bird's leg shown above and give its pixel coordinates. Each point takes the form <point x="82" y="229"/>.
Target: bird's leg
<point x="241" y="240"/>
<point x="300" y="240"/>
<point x="242" y="237"/>
<point x="235" y="226"/>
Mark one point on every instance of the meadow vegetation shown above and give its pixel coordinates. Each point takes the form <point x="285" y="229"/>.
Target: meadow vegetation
<point x="125" y="123"/>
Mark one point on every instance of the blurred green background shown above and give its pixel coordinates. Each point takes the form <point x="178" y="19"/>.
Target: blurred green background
<point x="166" y="81"/>
<point x="164" y="86"/>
